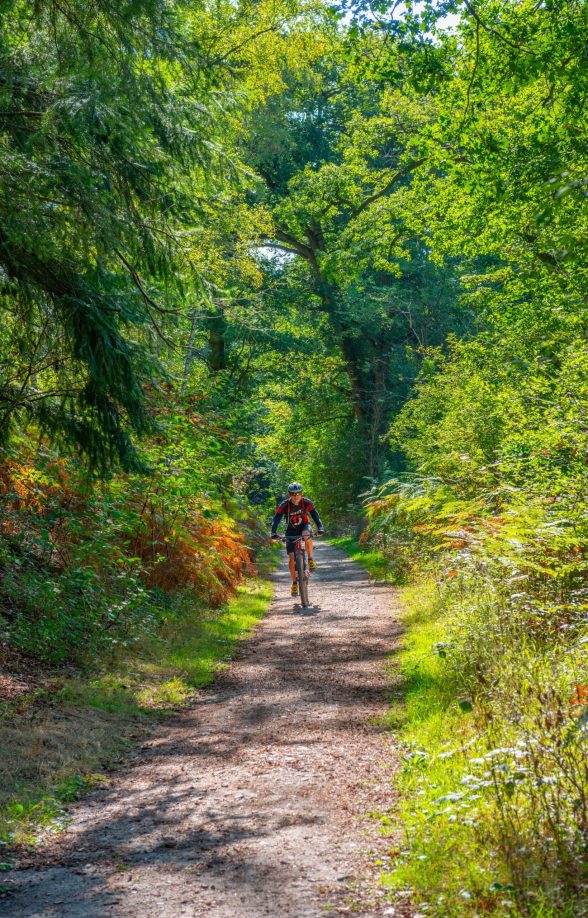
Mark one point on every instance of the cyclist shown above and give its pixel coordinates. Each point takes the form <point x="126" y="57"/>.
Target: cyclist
<point x="297" y="510"/>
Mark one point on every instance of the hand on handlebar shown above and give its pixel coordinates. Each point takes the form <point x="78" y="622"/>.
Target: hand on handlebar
<point x="319" y="533"/>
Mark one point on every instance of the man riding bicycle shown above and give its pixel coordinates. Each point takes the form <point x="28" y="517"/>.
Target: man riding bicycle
<point x="297" y="510"/>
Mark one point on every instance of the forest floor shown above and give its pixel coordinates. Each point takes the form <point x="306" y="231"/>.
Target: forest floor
<point x="260" y="800"/>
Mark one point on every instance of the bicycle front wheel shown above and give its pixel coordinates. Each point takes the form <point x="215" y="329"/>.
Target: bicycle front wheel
<point x="302" y="581"/>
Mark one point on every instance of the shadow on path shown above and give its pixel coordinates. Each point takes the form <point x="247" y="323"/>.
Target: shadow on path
<point x="247" y="804"/>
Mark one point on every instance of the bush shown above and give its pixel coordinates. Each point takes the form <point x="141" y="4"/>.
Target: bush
<point x="88" y="566"/>
<point x="497" y="515"/>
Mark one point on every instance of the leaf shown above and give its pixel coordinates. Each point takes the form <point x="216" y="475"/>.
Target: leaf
<point x="580" y="695"/>
<point x="450" y="798"/>
<point x="466" y="705"/>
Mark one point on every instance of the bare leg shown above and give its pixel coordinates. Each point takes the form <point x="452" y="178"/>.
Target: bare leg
<point x="309" y="546"/>
<point x="292" y="565"/>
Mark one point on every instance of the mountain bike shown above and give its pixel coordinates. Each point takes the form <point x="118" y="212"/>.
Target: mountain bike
<point x="302" y="568"/>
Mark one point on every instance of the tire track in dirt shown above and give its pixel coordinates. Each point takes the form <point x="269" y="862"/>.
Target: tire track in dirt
<point x="252" y="803"/>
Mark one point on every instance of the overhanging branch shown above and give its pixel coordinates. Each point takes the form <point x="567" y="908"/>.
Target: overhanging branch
<point x="382" y="192"/>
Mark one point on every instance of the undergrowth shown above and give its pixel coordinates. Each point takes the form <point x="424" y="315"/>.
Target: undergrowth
<point x="90" y="567"/>
<point x="444" y="857"/>
<point x="494" y="780"/>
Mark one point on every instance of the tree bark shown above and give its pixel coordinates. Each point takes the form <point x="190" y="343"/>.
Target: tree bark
<point x="217" y="330"/>
<point x="190" y="351"/>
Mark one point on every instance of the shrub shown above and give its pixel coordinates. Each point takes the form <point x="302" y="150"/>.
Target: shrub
<point x="88" y="566"/>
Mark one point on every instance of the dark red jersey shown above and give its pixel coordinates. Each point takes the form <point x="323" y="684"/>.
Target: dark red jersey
<point x="295" y="516"/>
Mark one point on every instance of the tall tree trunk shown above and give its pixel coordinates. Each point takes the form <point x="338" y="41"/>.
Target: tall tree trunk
<point x="190" y="350"/>
<point x="328" y="295"/>
<point x="217" y="330"/>
<point x="363" y="386"/>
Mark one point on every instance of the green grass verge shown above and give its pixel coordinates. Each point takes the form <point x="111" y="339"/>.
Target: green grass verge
<point x="441" y="859"/>
<point x="53" y="750"/>
<point x="374" y="562"/>
<point x="440" y="852"/>
<point x="167" y="671"/>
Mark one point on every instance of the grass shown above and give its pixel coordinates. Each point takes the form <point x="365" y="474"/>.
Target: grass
<point x="168" y="670"/>
<point x="441" y="860"/>
<point x="374" y="562"/>
<point x="439" y="853"/>
<point x="54" y="748"/>
<point x="450" y="859"/>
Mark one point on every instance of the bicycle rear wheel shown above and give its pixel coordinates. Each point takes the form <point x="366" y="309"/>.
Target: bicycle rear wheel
<point x="302" y="581"/>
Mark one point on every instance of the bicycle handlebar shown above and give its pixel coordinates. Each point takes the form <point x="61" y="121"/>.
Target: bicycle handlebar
<point x="287" y="538"/>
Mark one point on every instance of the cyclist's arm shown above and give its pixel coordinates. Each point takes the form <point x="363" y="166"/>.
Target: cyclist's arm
<point x="317" y="519"/>
<point x="277" y="519"/>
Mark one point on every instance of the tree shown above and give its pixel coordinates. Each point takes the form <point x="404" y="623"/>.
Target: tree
<point x="108" y="116"/>
<point x="337" y="160"/>
<point x="117" y="125"/>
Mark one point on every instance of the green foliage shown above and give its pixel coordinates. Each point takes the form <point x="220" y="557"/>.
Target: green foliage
<point x="117" y="129"/>
<point x="105" y="126"/>
<point x="90" y="567"/>
<point x="336" y="158"/>
<point x="68" y="586"/>
<point x="497" y="512"/>
<point x="495" y="754"/>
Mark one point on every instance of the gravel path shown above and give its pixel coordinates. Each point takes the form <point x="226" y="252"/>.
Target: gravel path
<point x="253" y="802"/>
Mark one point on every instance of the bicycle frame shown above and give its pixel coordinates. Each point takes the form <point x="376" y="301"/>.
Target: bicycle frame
<point x="301" y="565"/>
<point x="299" y="549"/>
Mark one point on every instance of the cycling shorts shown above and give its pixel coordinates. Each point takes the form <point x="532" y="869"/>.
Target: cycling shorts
<point x="303" y="531"/>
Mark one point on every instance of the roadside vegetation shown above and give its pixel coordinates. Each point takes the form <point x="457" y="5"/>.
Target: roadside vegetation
<point x="491" y="532"/>
<point x="492" y="731"/>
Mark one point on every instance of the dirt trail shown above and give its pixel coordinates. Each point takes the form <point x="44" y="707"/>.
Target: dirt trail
<point x="253" y="802"/>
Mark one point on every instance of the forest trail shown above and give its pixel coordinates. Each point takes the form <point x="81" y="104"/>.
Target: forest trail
<point x="253" y="802"/>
